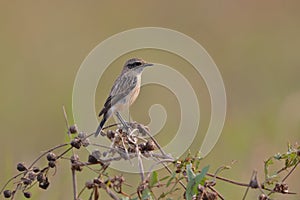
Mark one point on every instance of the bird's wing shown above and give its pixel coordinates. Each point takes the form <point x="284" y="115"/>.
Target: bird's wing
<point x="121" y="88"/>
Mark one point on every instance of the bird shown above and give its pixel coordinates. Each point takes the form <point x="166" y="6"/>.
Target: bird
<point x="124" y="91"/>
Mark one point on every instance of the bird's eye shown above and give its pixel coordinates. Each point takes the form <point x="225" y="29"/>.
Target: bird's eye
<point x="138" y="63"/>
<point x="135" y="64"/>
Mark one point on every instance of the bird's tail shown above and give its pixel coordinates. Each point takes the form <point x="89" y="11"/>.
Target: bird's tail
<point x="99" y="129"/>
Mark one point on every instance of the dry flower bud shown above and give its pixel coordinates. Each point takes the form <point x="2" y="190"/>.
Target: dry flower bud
<point x="89" y="184"/>
<point x="73" y="129"/>
<point x="35" y="169"/>
<point x="51" y="156"/>
<point x="44" y="184"/>
<point x="74" y="158"/>
<point x="21" y="167"/>
<point x="7" y="193"/>
<point x="51" y="164"/>
<point x="27" y="195"/>
<point x="76" y="143"/>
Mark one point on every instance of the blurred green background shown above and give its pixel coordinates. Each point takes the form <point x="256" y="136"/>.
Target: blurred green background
<point x="254" y="43"/>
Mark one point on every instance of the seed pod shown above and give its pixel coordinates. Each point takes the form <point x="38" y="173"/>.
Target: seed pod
<point x="21" y="167"/>
<point x="31" y="176"/>
<point x="51" y="164"/>
<point x="150" y="146"/>
<point x="76" y="143"/>
<point x="263" y="197"/>
<point x="81" y="135"/>
<point x="92" y="159"/>
<point x="40" y="177"/>
<point x="51" y="156"/>
<point x="86" y="142"/>
<point x="89" y="184"/>
<point x="254" y="183"/>
<point x="74" y="158"/>
<point x="73" y="129"/>
<point x="26" y="181"/>
<point x="44" y="184"/>
<point x="27" y="195"/>
<point x="35" y="169"/>
<point x="7" y="193"/>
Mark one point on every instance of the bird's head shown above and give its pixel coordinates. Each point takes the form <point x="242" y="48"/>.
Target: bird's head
<point x="136" y="64"/>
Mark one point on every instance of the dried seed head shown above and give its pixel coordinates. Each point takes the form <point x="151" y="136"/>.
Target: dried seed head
<point x="40" y="177"/>
<point x="31" y="176"/>
<point x="98" y="182"/>
<point x="7" y="193"/>
<point x="44" y="184"/>
<point x="150" y="146"/>
<point x="110" y="134"/>
<point x="298" y="152"/>
<point x="263" y="197"/>
<point x="76" y="143"/>
<point x="253" y="183"/>
<point x="211" y="196"/>
<point x="51" y="156"/>
<point x="21" y="167"/>
<point x="26" y="181"/>
<point x="92" y="159"/>
<point x="74" y="158"/>
<point x="35" y="169"/>
<point x="73" y="129"/>
<point x="86" y="142"/>
<point x="75" y="163"/>
<point x="89" y="184"/>
<point x="142" y="147"/>
<point x="81" y="135"/>
<point x="51" y="164"/>
<point x="284" y="188"/>
<point x="77" y="167"/>
<point x="27" y="195"/>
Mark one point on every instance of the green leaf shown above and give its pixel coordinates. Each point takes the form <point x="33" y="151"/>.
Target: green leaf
<point x="194" y="181"/>
<point x="162" y="195"/>
<point x="199" y="179"/>
<point x="267" y="165"/>
<point x="170" y="180"/>
<point x="153" y="179"/>
<point x="191" y="182"/>
<point x="190" y="173"/>
<point x="189" y="190"/>
<point x="164" y="178"/>
<point x="146" y="195"/>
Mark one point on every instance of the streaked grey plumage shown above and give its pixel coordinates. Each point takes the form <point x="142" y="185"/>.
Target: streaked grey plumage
<point x="124" y="91"/>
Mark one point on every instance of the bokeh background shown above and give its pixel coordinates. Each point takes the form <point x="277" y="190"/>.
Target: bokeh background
<point x="254" y="43"/>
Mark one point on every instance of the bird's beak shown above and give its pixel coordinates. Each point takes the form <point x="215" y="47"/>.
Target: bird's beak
<point x="148" y="64"/>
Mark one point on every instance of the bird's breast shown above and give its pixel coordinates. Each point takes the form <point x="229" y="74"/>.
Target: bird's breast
<point x="136" y="90"/>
